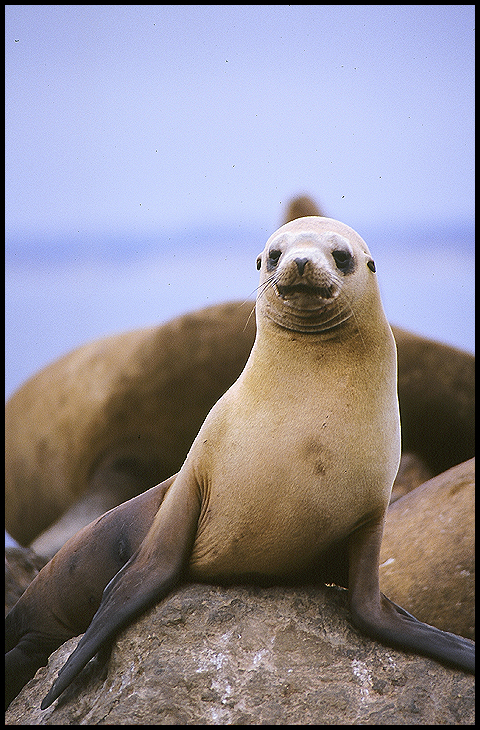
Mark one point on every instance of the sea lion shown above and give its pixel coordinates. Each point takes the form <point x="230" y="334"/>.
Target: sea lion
<point x="288" y="479"/>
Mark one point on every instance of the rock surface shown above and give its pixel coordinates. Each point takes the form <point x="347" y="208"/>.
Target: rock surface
<point x="251" y="656"/>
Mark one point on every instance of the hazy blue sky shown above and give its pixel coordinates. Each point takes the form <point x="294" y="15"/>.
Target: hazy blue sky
<point x="143" y="117"/>
<point x="129" y="125"/>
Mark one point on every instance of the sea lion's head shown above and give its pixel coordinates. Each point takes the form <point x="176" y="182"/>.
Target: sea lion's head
<point x="313" y="272"/>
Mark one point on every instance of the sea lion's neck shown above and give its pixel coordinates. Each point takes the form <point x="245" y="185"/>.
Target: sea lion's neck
<point x="363" y="349"/>
<point x="282" y="347"/>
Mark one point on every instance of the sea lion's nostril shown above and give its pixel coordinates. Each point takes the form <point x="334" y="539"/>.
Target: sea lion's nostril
<point x="301" y="263"/>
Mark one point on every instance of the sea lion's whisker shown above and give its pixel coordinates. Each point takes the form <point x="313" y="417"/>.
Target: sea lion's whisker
<point x="248" y="318"/>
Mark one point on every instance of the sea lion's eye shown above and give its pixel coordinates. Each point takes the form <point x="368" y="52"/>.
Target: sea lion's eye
<point x="371" y="265"/>
<point x="273" y="257"/>
<point x="343" y="260"/>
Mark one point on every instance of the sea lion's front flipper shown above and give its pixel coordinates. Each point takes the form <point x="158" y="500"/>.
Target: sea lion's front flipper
<point x="380" y="618"/>
<point x="62" y="599"/>
<point x="146" y="578"/>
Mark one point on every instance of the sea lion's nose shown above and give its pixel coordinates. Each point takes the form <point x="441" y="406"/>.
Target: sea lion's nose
<point x="301" y="265"/>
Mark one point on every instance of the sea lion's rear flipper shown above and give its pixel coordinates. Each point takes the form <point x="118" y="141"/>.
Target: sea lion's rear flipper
<point x="380" y="618"/>
<point x="149" y="575"/>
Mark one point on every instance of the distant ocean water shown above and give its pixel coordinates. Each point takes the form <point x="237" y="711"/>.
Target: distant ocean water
<point x="62" y="293"/>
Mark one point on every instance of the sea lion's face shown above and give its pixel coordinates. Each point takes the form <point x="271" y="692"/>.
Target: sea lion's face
<point x="312" y="272"/>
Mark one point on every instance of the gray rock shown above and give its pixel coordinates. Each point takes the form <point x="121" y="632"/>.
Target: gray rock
<point x="250" y="656"/>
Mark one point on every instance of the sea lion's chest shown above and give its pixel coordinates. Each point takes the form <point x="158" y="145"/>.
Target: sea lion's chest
<point x="283" y="478"/>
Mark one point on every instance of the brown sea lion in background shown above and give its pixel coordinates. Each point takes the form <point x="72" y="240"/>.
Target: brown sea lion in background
<point x="117" y="415"/>
<point x="436" y="385"/>
<point x="301" y="206"/>
<point x="311" y="427"/>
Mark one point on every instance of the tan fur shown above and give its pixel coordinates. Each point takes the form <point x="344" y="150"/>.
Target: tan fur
<point x="325" y="399"/>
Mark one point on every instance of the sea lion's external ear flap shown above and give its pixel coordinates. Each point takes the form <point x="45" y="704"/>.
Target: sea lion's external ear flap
<point x="371" y="265"/>
<point x="259" y="262"/>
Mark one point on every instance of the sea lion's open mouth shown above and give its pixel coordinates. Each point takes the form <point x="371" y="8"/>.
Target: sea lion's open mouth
<point x="325" y="292"/>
